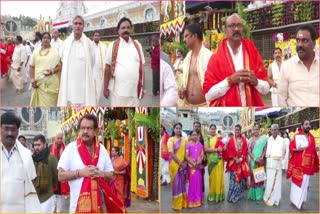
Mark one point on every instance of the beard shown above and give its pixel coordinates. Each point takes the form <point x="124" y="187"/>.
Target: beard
<point x="306" y="130"/>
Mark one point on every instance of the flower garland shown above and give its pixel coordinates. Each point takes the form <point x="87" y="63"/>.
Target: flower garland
<point x="124" y="129"/>
<point x="280" y="37"/>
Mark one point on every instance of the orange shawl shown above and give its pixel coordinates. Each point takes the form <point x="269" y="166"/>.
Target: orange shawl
<point x="304" y="162"/>
<point x="221" y="66"/>
<point x="90" y="199"/>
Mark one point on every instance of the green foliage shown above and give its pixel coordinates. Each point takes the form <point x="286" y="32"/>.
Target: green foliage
<point x="113" y="129"/>
<point x="243" y="14"/>
<point x="151" y="121"/>
<point x="180" y="46"/>
<point x="277" y="13"/>
<point x="131" y="122"/>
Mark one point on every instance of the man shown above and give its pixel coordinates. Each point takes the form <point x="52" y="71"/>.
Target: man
<point x="99" y="64"/>
<point x="61" y="190"/>
<point x="124" y="75"/>
<point x="6" y="56"/>
<point x="274" y="154"/>
<point x="194" y="67"/>
<point x="27" y="64"/>
<point x="22" y="139"/>
<point x="168" y="86"/>
<point x="77" y="84"/>
<point x="164" y="161"/>
<point x="303" y="163"/>
<point x="236" y="75"/>
<point x="273" y="75"/>
<point x="37" y="40"/>
<point x="19" y="57"/>
<point x="155" y="65"/>
<point x="47" y="174"/>
<point x="85" y="163"/>
<point x="56" y="42"/>
<point x="17" y="170"/>
<point x="299" y="76"/>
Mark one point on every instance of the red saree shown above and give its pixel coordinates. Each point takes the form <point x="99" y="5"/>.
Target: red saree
<point x="242" y="169"/>
<point x="221" y="66"/>
<point x="64" y="186"/>
<point x="6" y="57"/>
<point x="90" y="199"/>
<point x="304" y="162"/>
<point x="164" y="147"/>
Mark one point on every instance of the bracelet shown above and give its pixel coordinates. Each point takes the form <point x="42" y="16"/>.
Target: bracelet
<point x="77" y="173"/>
<point x="229" y="81"/>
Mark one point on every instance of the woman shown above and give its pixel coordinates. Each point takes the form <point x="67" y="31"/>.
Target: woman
<point x="44" y="73"/>
<point x="257" y="152"/>
<point x="237" y="164"/>
<point x="177" y="166"/>
<point x="285" y="161"/>
<point x="194" y="157"/>
<point x="214" y="148"/>
<point x="120" y="182"/>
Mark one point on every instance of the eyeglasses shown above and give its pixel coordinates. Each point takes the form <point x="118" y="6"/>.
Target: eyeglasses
<point x="234" y="26"/>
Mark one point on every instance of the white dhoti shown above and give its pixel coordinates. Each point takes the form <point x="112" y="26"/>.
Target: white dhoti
<point x="48" y="205"/>
<point x="274" y="97"/>
<point x="272" y="193"/>
<point x="61" y="203"/>
<point x="165" y="170"/>
<point x="117" y="100"/>
<point x="298" y="195"/>
<point x="17" y="77"/>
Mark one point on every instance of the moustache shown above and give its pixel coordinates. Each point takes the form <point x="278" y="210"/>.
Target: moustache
<point x="236" y="34"/>
<point x="10" y="137"/>
<point x="126" y="33"/>
<point x="300" y="49"/>
<point x="278" y="57"/>
<point x="85" y="135"/>
<point x="306" y="130"/>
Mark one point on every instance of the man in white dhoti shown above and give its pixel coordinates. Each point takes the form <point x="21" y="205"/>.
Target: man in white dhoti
<point x="99" y="64"/>
<point x="17" y="170"/>
<point x="168" y="85"/>
<point x="27" y="64"/>
<point x="124" y="75"/>
<point x="56" y="42"/>
<point x="19" y="57"/>
<point x="303" y="163"/>
<point x="273" y="75"/>
<point x="77" y="84"/>
<point x="275" y="154"/>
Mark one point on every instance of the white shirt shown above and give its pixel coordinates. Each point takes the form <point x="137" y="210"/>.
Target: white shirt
<point x="222" y="87"/>
<point x="275" y="153"/>
<point x="37" y="44"/>
<point x="19" y="55"/>
<point x="168" y="85"/>
<point x="70" y="160"/>
<point x="101" y="55"/>
<point x="57" y="44"/>
<point x="126" y="75"/>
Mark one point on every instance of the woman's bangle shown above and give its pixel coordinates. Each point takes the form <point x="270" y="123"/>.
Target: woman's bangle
<point x="229" y="81"/>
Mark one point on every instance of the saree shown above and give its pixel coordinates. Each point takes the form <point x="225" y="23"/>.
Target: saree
<point x="238" y="172"/>
<point x="194" y="175"/>
<point x="48" y="86"/>
<point x="120" y="184"/>
<point x="89" y="200"/>
<point x="215" y="169"/>
<point x="256" y="147"/>
<point x="177" y="174"/>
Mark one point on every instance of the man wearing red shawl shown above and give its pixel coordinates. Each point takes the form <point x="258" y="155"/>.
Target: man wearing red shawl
<point x="164" y="162"/>
<point x="6" y="56"/>
<point x="235" y="75"/>
<point x="85" y="164"/>
<point x="303" y="163"/>
<point x="237" y="163"/>
<point x="62" y="190"/>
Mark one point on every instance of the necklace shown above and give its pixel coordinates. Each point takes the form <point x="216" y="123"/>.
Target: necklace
<point x="45" y="53"/>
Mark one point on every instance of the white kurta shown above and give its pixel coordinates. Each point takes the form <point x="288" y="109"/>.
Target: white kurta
<point x="124" y="86"/>
<point x="99" y="66"/>
<point x="70" y="160"/>
<point x="57" y="44"/>
<point x="275" y="154"/>
<point x="27" y="64"/>
<point x="275" y="76"/>
<point x="168" y="85"/>
<point x="17" y="191"/>
<point x="285" y="161"/>
<point x="77" y="85"/>
<point x="19" y="56"/>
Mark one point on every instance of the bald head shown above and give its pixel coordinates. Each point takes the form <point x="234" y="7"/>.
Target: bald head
<point x="274" y="130"/>
<point x="59" y="138"/>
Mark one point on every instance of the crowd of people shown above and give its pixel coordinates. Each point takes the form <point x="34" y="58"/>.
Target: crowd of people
<point x="78" y="70"/>
<point x="256" y="164"/>
<point x="78" y="177"/>
<point x="235" y="75"/>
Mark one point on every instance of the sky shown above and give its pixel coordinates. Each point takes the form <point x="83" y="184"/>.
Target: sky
<point x="45" y="8"/>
